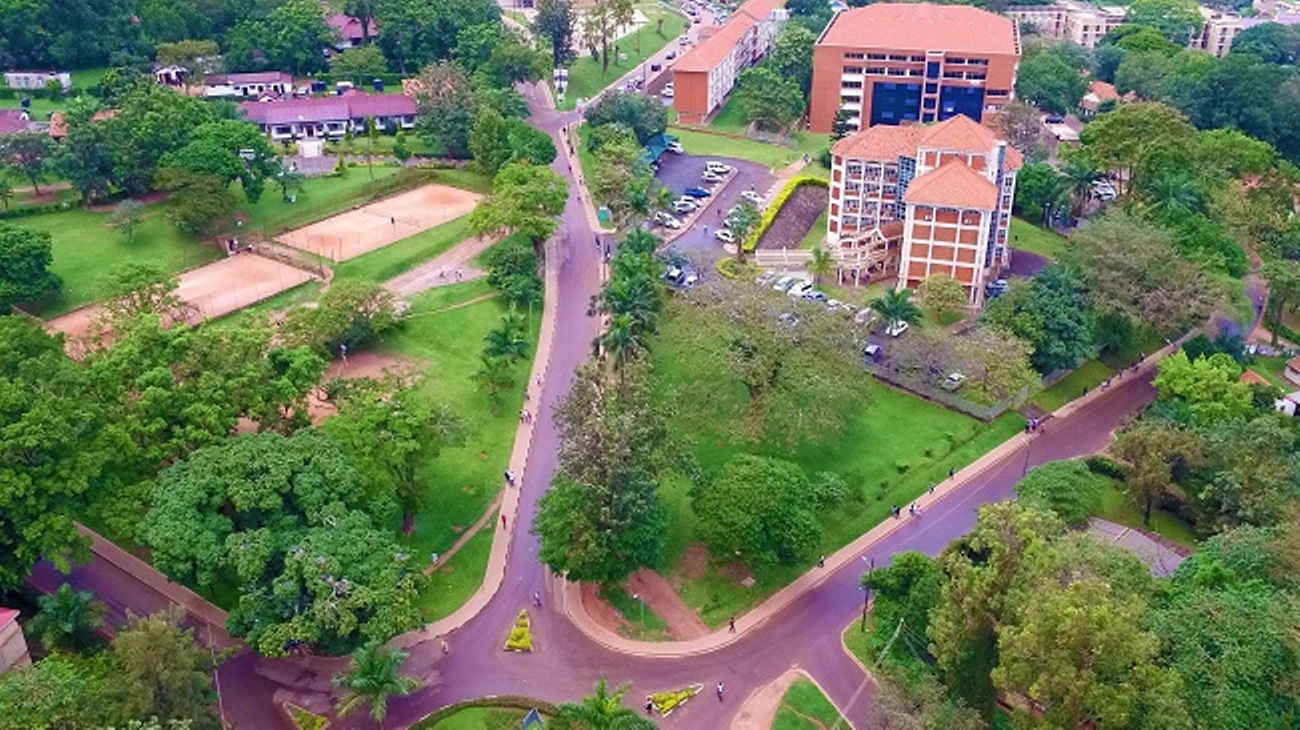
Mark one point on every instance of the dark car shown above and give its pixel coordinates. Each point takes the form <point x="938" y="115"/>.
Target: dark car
<point x="1054" y="119"/>
<point x="696" y="192"/>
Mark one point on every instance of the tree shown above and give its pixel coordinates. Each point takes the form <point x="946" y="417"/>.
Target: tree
<point x="28" y="154"/>
<point x="1049" y="81"/>
<point x="744" y="221"/>
<point x="604" y="710"/>
<point x="197" y="202"/>
<point x="288" y="521"/>
<point x="228" y="150"/>
<point x="359" y="63"/>
<point x="1128" y="139"/>
<point x="918" y="703"/>
<point x="445" y="108"/>
<point x="1149" y="452"/>
<point x="943" y="294"/>
<point x="556" y="22"/>
<point x="1078" y="650"/>
<point x="6" y="193"/>
<point x="1021" y="126"/>
<point x="416" y="33"/>
<point x="622" y="176"/>
<point x="512" y="63"/>
<point x="525" y="199"/>
<point x="1283" y="290"/>
<point x="488" y="142"/>
<point x="25" y="258"/>
<point x="69" y="620"/>
<point x="602" y="518"/>
<point x="906" y="590"/>
<point x="392" y="435"/>
<point x="821" y="264"/>
<point x="734" y="335"/>
<point x="1130" y="268"/>
<point x="841" y="125"/>
<point x="512" y="270"/>
<point x="1039" y="188"/>
<point x="1209" y="387"/>
<point x="163" y="672"/>
<point x="290" y="37"/>
<point x="348" y="316"/>
<point x="126" y="218"/>
<point x="770" y="101"/>
<point x="791" y="56"/>
<point x="495" y="376"/>
<point x="1271" y="42"/>
<point x="1066" y="488"/>
<point x="1051" y="314"/>
<point x="61" y="690"/>
<point x="997" y="365"/>
<point x="137" y="289"/>
<point x="1176" y="20"/>
<point x="760" y="511"/>
<point x="1251" y="472"/>
<point x="195" y="56"/>
<point x="645" y="115"/>
<point x="896" y="307"/>
<point x="375" y="676"/>
<point x="53" y="443"/>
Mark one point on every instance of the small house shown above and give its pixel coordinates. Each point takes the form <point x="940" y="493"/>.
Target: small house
<point x="250" y="85"/>
<point x="37" y="80"/>
<point x="1292" y="371"/>
<point x="1288" y="404"/>
<point x="349" y="31"/>
<point x="331" y="116"/>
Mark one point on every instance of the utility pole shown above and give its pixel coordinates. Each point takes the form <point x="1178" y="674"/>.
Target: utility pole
<point x="889" y="644"/>
<point x="861" y="686"/>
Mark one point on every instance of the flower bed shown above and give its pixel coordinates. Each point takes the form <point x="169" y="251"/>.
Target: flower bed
<point x="521" y="638"/>
<point x="770" y="213"/>
<point x="305" y="720"/>
<point x="666" y="702"/>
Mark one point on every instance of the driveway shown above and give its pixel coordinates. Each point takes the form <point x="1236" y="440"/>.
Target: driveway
<point x="679" y="172"/>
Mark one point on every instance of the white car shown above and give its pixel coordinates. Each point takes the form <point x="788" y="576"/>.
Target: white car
<point x="668" y="92"/>
<point x="953" y="382"/>
<point x="676" y="148"/>
<point x="865" y="316"/>
<point x="753" y="198"/>
<point x="685" y="205"/>
<point x="799" y="289"/>
<point x="896" y="329"/>
<point x="667" y="220"/>
<point x="722" y="234"/>
<point x="718" y="168"/>
<point x="784" y="283"/>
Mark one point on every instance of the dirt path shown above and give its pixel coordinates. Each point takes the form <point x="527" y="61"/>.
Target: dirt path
<point x="465" y="536"/>
<point x="663" y="600"/>
<point x="442" y="270"/>
<point x="759" y="710"/>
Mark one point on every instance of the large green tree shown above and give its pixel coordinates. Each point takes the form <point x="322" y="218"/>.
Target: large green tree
<point x="1047" y="78"/>
<point x="69" y="620"/>
<point x="414" y="33"/>
<point x="792" y="55"/>
<point x="289" y="522"/>
<point x="445" y="108"/>
<point x="525" y="199"/>
<point x="643" y="114"/>
<point x="290" y="36"/>
<point x="1149" y="452"/>
<point x="25" y="258"/>
<point x="163" y="673"/>
<point x="1051" y="314"/>
<point x="602" y="519"/>
<point x="1208" y="387"/>
<point x="348" y="316"/>
<point x="27" y="154"/>
<point x="771" y="101"/>
<point x="1134" y="138"/>
<point x="556" y="21"/>
<point x="229" y="150"/>
<point x="60" y="691"/>
<point x="603" y="710"/>
<point x="621" y="177"/>
<point x="1067" y="488"/>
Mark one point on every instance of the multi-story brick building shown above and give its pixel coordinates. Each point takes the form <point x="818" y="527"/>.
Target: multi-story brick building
<point x="925" y="200"/>
<point x="708" y="72"/>
<point x="892" y="63"/>
<point x="1086" y="24"/>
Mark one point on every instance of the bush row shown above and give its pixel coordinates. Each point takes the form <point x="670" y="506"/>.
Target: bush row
<point x="507" y="701"/>
<point x="774" y="209"/>
<point x="23" y="211"/>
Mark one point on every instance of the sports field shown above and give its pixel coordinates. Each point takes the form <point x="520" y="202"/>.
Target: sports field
<point x="378" y="224"/>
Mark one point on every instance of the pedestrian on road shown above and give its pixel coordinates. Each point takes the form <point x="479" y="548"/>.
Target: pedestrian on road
<point x="951" y="472"/>
<point x="445" y="648"/>
<point x="649" y="705"/>
<point x="821" y="562"/>
<point x="503" y="521"/>
<point x="911" y="509"/>
<point x="706" y="231"/>
<point x="895" y="511"/>
<point x="719" y="691"/>
<point x="537" y="599"/>
<point x="392" y="219"/>
<point x="731" y="625"/>
<point x="932" y="486"/>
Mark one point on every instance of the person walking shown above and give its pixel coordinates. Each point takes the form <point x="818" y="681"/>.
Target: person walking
<point x="446" y="649"/>
<point x="719" y="691"/>
<point x="537" y="599"/>
<point x="503" y="522"/>
<point x="649" y="705"/>
<point x="821" y="562"/>
<point x="731" y="625"/>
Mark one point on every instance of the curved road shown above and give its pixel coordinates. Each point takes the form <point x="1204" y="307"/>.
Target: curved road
<point x="567" y="662"/>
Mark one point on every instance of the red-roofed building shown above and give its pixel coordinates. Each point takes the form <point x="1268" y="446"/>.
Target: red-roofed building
<point x="264" y="83"/>
<point x="349" y="31"/>
<point x="13" y="647"/>
<point x="14" y="121"/>
<point x="329" y="116"/>
<point x="707" y="73"/>
<point x="940" y="194"/>
<point x="894" y="63"/>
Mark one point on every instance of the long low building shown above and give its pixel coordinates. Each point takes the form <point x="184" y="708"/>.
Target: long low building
<point x="330" y="117"/>
<point x="707" y="73"/>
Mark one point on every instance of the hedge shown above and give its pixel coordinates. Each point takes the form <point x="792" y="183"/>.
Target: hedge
<point x="770" y="213"/>
<point x="305" y="720"/>
<point x="515" y="702"/>
<point x="666" y="702"/>
<point x="23" y="211"/>
<point x="521" y="639"/>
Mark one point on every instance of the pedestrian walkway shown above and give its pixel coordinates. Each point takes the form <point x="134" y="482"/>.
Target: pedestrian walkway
<point x="450" y="267"/>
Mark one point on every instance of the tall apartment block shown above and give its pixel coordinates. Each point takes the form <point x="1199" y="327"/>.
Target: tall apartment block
<point x="894" y="63"/>
<point x="939" y="196"/>
<point x="704" y="76"/>
<point x="1086" y="24"/>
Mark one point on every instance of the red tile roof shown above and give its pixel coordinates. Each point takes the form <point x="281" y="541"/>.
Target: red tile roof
<point x="7" y="616"/>
<point x="922" y="27"/>
<point x="13" y="121"/>
<point x="1015" y="159"/>
<point x="959" y="133"/>
<point x="710" y="52"/>
<point x="953" y="185"/>
<point x="328" y="108"/>
<point x="1294" y="363"/>
<point x="882" y="142"/>
<point x="349" y="27"/>
<point x="1251" y="377"/>
<point x="1103" y="91"/>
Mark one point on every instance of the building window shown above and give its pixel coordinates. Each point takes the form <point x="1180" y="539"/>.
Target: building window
<point x="931" y="88"/>
<point x="852" y="69"/>
<point x="846" y="99"/>
<point x="918" y="59"/>
<point x="853" y="56"/>
<point x="855" y="168"/>
<point x="851" y="85"/>
<point x="876" y="57"/>
<point x="895" y="57"/>
<point x="875" y="70"/>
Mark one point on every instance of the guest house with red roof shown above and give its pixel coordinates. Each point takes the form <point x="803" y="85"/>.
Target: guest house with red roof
<point x="925" y="200"/>
<point x="707" y="73"/>
<point x="330" y="116"/>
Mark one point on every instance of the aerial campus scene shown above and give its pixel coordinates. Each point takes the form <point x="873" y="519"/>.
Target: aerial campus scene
<point x="612" y="364"/>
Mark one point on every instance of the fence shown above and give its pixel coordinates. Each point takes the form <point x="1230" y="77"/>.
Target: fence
<point x="918" y="386"/>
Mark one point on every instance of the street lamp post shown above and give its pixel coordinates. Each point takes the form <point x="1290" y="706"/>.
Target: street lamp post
<point x="637" y="596"/>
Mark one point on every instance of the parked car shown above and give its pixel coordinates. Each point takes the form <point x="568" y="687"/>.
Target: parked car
<point x="799" y="289"/>
<point x="753" y="198"/>
<point x="897" y="329"/>
<point x="696" y="192"/>
<point x="668" y="92"/>
<point x="766" y="278"/>
<point x="865" y="316"/>
<point x="667" y="220"/>
<point x="714" y="166"/>
<point x="673" y="274"/>
<point x="784" y="283"/>
<point x="813" y="295"/>
<point x="1054" y="119"/>
<point x="676" y="148"/>
<point x="685" y="205"/>
<point x="711" y="177"/>
<point x="953" y="382"/>
<point x="722" y="234"/>
<point x="996" y="288"/>
<point x="671" y="55"/>
<point x="871" y="352"/>
<point x="682" y="276"/>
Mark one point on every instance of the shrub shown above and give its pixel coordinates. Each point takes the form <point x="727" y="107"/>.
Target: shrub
<point x="666" y="702"/>
<point x="521" y="638"/>
<point x="1067" y="488"/>
<point x="305" y="720"/>
<point x="1104" y="466"/>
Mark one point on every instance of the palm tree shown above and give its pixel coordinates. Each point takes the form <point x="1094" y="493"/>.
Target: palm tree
<point x="743" y="223"/>
<point x="664" y="198"/>
<point x="374" y="678"/>
<point x="635" y="297"/>
<point x="1079" y="176"/>
<point x="68" y="620"/>
<point x="604" y="711"/>
<point x="821" y="264"/>
<point x="622" y="339"/>
<point x="897" y="306"/>
<point x="508" y="339"/>
<point x="494" y="376"/>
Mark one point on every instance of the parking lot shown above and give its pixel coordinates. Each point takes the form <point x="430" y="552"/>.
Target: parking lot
<point x="679" y="172"/>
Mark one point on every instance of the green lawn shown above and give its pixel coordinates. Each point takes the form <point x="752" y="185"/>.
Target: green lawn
<point x="891" y="465"/>
<point x="804" y="706"/>
<point x="1272" y="369"/>
<point x="731" y="120"/>
<point x="85" y="250"/>
<point x="858" y="641"/>
<point x="1029" y="237"/>
<point x="462" y="481"/>
<point x="385" y="263"/>
<point x="642" y="621"/>
<point x="587" y="77"/>
<point x="1116" y="507"/>
<point x="817" y="233"/>
<point x="698" y="142"/>
<point x="1089" y="375"/>
<point x="477" y="718"/>
<point x="319" y="198"/>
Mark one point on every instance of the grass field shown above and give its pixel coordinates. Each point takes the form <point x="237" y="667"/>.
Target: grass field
<point x="587" y="76"/>
<point x="86" y="250"/>
<point x="804" y="707"/>
<point x="1029" y="237"/>
<point x="1088" y="375"/>
<point x="775" y="156"/>
<point x="462" y="481"/>
<point x="817" y="233"/>
<point x="1116" y="507"/>
<point x="476" y="718"/>
<point x="394" y="259"/>
<point x="319" y="198"/>
<point x="642" y="621"/>
<point x="891" y="465"/>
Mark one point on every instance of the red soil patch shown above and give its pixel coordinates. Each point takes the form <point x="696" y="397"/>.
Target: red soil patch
<point x="360" y="365"/>
<point x="694" y="563"/>
<point x="600" y="610"/>
<point x="682" y="622"/>
<point x="795" y="218"/>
